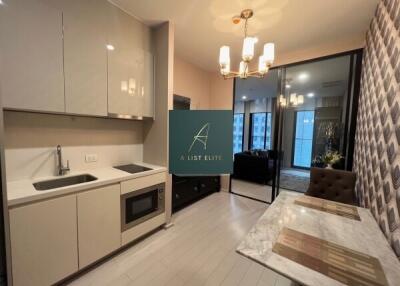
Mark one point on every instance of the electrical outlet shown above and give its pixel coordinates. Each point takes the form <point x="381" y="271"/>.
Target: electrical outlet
<point x="89" y="158"/>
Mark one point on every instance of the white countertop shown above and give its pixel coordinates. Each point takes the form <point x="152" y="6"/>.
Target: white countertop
<point x="363" y="236"/>
<point x="22" y="191"/>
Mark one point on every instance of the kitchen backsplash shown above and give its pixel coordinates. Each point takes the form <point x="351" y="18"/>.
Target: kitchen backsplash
<point x="31" y="141"/>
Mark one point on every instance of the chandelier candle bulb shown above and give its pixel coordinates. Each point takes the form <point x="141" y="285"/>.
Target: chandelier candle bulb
<point x="282" y="100"/>
<point x="224" y="57"/>
<point x="262" y="65"/>
<point x="226" y="69"/>
<point x="293" y="98"/>
<point x="269" y="53"/>
<point x="248" y="49"/>
<point x="243" y="69"/>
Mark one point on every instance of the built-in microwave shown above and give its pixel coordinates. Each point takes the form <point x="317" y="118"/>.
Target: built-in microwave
<point x="140" y="205"/>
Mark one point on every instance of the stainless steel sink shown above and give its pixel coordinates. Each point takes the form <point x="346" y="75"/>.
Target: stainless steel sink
<point x="63" y="182"/>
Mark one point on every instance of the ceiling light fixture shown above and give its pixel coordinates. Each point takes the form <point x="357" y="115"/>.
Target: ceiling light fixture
<point x="310" y="94"/>
<point x="244" y="97"/>
<point x="110" y="47"/>
<point x="265" y="61"/>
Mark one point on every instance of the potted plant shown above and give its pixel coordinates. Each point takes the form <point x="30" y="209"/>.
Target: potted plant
<point x="330" y="158"/>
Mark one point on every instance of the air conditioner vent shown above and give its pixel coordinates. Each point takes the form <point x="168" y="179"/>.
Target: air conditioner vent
<point x="334" y="83"/>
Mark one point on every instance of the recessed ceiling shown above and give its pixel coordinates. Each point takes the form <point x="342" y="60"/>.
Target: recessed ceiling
<point x="203" y="26"/>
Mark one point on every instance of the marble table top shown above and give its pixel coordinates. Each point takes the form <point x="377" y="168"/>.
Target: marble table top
<point x="363" y="236"/>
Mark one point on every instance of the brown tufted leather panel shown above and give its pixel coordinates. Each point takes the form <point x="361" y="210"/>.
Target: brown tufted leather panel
<point x="334" y="185"/>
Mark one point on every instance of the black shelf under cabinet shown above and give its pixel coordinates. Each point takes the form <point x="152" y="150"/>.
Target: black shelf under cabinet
<point x="188" y="189"/>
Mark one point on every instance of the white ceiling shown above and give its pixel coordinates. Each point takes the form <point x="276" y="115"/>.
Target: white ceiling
<point x="203" y="26"/>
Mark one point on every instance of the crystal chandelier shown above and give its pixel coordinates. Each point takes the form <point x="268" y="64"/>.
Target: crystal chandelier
<point x="265" y="61"/>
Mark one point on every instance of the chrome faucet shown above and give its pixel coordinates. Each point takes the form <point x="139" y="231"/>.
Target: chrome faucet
<point x="61" y="169"/>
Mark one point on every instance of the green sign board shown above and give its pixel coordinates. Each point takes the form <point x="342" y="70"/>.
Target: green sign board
<point x="200" y="142"/>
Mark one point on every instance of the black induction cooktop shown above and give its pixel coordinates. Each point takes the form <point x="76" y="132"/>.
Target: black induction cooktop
<point x="132" y="168"/>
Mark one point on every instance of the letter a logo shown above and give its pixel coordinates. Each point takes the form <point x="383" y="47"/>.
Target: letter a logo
<point x="201" y="136"/>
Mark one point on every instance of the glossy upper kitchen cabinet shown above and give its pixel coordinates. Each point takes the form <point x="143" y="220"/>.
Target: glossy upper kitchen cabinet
<point x="130" y="66"/>
<point x="99" y="223"/>
<point x="85" y="56"/>
<point x="31" y="52"/>
<point x="44" y="244"/>
<point x="148" y="85"/>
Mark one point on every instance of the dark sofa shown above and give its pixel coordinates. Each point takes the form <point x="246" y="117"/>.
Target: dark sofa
<point x="255" y="166"/>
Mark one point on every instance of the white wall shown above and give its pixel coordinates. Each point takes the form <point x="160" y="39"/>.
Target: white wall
<point x="193" y="82"/>
<point x="221" y="96"/>
<point x="155" y="148"/>
<point x="221" y="92"/>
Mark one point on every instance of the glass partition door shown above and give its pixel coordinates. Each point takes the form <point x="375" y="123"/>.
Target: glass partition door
<point x="254" y="110"/>
<point x="316" y="105"/>
<point x="291" y="118"/>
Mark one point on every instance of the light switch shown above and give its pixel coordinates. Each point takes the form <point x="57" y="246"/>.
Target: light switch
<point x="89" y="158"/>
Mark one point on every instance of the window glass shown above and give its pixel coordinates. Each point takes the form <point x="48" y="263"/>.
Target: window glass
<point x="238" y="121"/>
<point x="258" y="121"/>
<point x="261" y="130"/>
<point x="303" y="139"/>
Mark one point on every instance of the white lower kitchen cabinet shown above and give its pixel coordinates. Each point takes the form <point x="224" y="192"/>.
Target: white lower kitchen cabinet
<point x="44" y="241"/>
<point x="99" y="223"/>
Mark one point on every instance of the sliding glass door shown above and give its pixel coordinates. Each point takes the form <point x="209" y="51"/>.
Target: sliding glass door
<point x="316" y="103"/>
<point x="288" y="120"/>
<point x="254" y="109"/>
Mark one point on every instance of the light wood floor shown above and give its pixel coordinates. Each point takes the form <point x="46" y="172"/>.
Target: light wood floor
<point x="198" y="250"/>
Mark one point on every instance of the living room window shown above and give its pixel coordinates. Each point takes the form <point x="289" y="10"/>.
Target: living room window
<point x="260" y="130"/>
<point x="238" y="125"/>
<point x="303" y="139"/>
